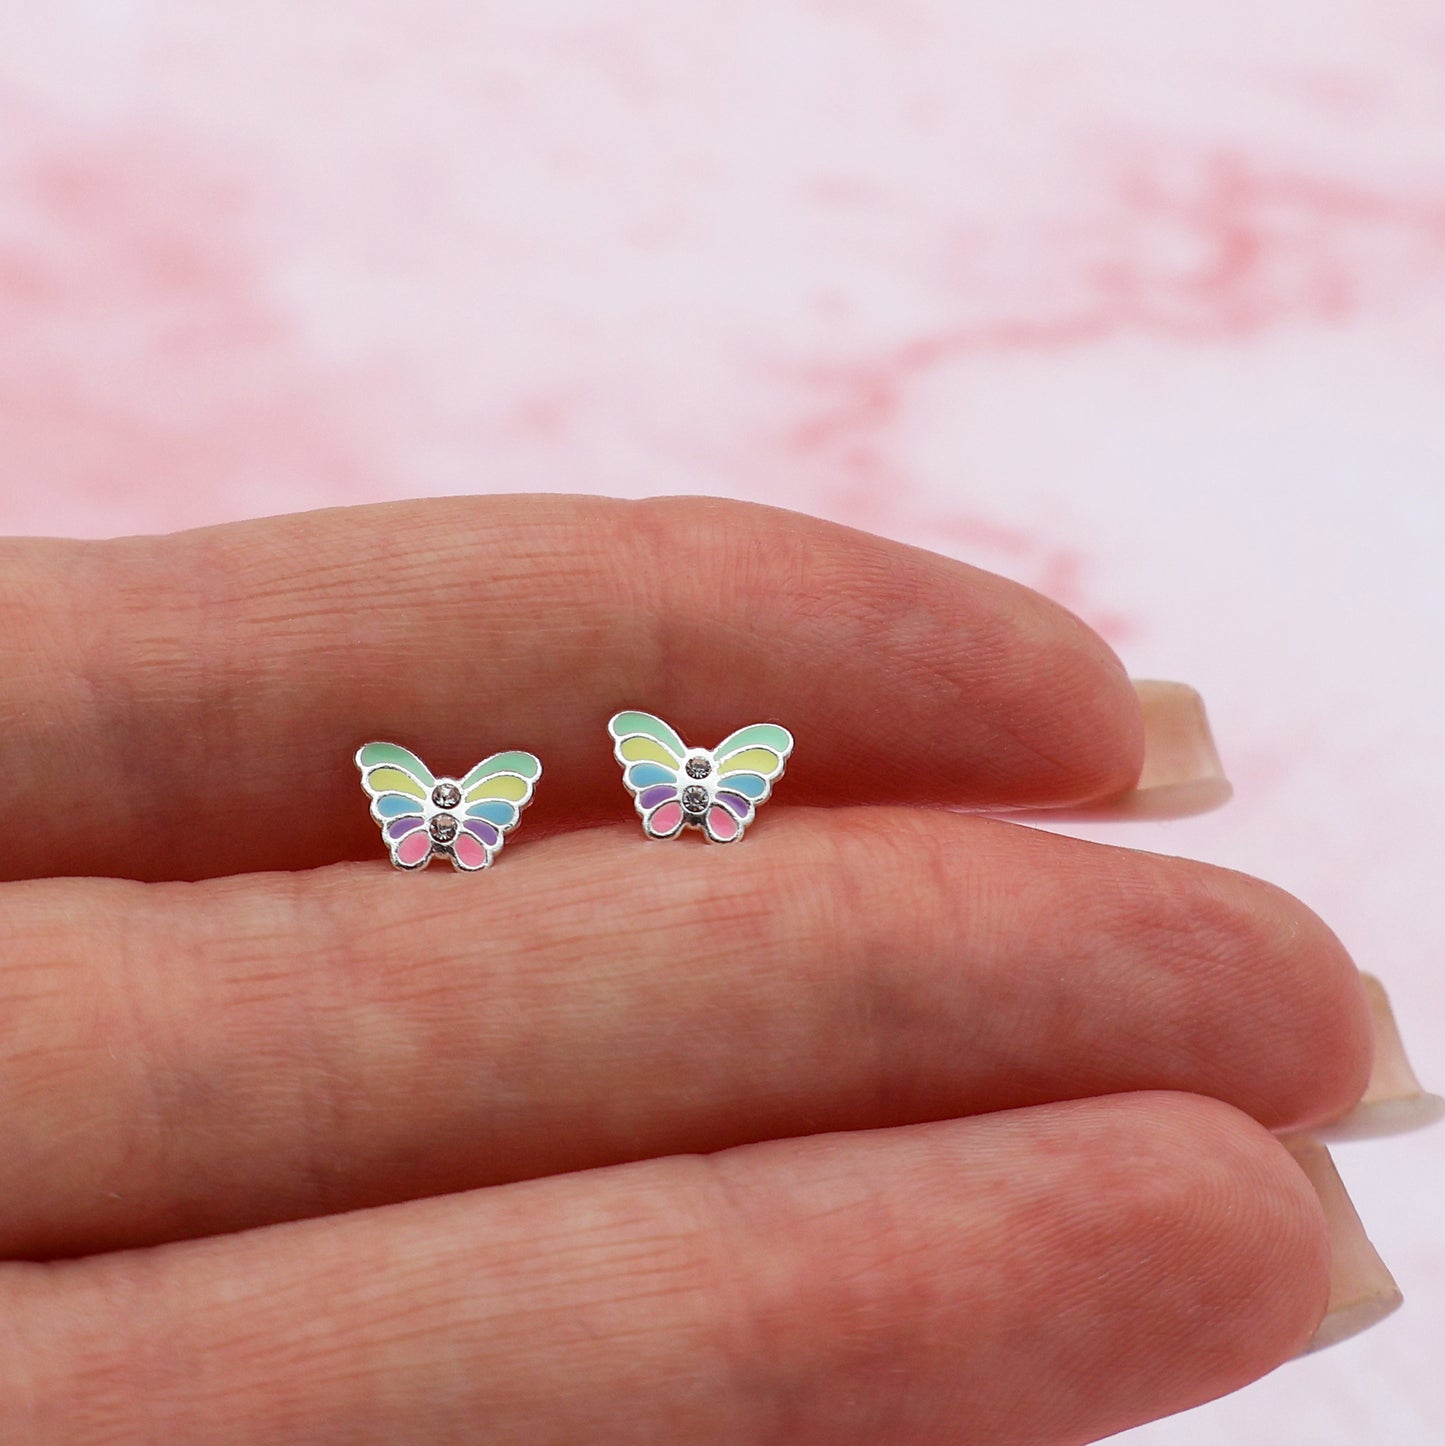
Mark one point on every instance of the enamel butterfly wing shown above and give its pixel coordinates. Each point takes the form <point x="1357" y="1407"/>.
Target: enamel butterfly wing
<point x="462" y="819"/>
<point x="716" y="790"/>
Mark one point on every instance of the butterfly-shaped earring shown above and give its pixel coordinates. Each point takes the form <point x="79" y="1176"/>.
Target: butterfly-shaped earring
<point x="463" y="819"/>
<point x="716" y="790"/>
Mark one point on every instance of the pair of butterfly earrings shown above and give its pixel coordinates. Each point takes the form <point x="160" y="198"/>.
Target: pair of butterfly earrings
<point x="673" y="786"/>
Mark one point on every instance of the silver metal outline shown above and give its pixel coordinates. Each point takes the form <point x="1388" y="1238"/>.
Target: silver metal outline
<point x="427" y="810"/>
<point x="713" y="782"/>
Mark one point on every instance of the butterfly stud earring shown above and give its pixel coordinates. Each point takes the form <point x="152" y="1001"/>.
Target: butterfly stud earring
<point x="463" y="819"/>
<point x="717" y="790"/>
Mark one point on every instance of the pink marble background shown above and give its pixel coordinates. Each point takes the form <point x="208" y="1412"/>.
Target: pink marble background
<point x="1141" y="302"/>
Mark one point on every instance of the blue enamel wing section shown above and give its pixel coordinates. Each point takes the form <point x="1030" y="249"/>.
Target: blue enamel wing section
<point x="647" y="775"/>
<point x="394" y="805"/>
<point x="494" y="810"/>
<point x="750" y="785"/>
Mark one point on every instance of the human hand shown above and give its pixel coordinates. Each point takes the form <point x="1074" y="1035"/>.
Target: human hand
<point x="893" y="1124"/>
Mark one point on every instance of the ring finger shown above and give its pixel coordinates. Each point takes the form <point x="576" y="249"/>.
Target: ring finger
<point x="187" y="1059"/>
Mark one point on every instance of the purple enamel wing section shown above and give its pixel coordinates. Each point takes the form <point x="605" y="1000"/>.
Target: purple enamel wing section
<point x="734" y="802"/>
<point x="483" y="832"/>
<point x="658" y="793"/>
<point x="400" y="827"/>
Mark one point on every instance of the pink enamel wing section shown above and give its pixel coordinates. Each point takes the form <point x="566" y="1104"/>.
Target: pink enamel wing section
<point x="665" y="820"/>
<point x="469" y="851"/>
<point x="414" y="848"/>
<point x="722" y="824"/>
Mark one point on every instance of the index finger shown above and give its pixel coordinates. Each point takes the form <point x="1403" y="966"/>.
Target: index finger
<point x="185" y="706"/>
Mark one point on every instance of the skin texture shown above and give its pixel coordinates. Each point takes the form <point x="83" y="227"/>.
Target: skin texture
<point x="1038" y="1276"/>
<point x="849" y="969"/>
<point x="244" y="664"/>
<point x="889" y="1125"/>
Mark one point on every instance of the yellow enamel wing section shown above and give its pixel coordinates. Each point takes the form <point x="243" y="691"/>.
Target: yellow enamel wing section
<point x="390" y="768"/>
<point x="760" y="748"/>
<point x="753" y="760"/>
<point x="503" y="785"/>
<point x="507" y="776"/>
<point x="394" y="780"/>
<point x="646" y="750"/>
<point x="645" y="738"/>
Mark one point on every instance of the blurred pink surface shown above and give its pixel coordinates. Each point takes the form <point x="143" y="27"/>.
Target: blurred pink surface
<point x="1141" y="303"/>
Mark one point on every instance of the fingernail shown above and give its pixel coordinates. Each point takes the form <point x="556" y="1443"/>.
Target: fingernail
<point x="1394" y="1100"/>
<point x="1362" y="1290"/>
<point x="1178" y="744"/>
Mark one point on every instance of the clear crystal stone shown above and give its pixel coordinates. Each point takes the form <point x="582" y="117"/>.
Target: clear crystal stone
<point x="443" y="828"/>
<point x="446" y="794"/>
<point x="694" y="798"/>
<point x="698" y="767"/>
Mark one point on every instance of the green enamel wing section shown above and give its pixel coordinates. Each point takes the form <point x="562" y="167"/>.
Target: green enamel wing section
<point x="760" y="748"/>
<point x="642" y="729"/>
<point x="390" y="768"/>
<point x="524" y="765"/>
<point x="500" y="786"/>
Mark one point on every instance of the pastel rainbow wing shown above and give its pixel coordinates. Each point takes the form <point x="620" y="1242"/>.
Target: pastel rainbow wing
<point x="749" y="762"/>
<point x="398" y="784"/>
<point x="494" y="794"/>
<point x="651" y="755"/>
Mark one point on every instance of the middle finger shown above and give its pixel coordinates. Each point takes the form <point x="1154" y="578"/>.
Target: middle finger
<point x="186" y="1059"/>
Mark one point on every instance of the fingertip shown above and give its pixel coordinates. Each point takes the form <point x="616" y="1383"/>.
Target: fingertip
<point x="1227" y="1237"/>
<point x="1321" y="1045"/>
<point x="977" y="689"/>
